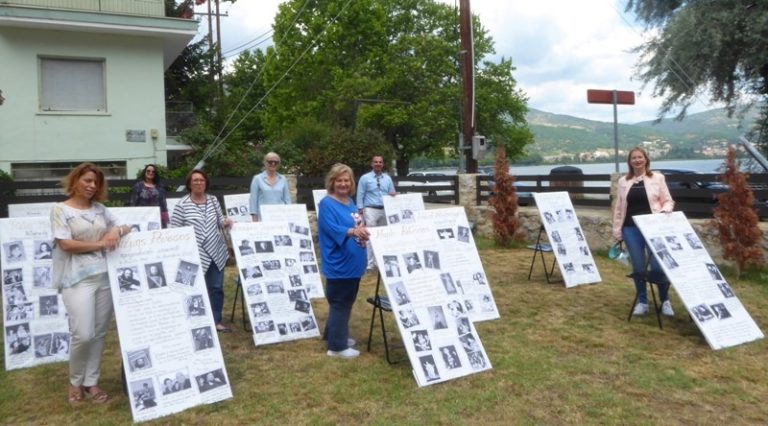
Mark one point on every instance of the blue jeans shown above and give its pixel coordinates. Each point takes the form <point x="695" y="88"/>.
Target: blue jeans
<point x="638" y="255"/>
<point x="214" y="282"/>
<point x="341" y="295"/>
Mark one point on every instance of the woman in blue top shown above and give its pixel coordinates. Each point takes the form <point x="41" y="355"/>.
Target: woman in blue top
<point x="343" y="238"/>
<point x="268" y="187"/>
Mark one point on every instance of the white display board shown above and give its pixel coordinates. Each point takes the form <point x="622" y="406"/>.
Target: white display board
<point x="567" y="239"/>
<point x="707" y="296"/>
<point x="34" y="316"/>
<point x="30" y="210"/>
<point x="138" y="218"/>
<point x="461" y="270"/>
<point x="277" y="275"/>
<point x="237" y="207"/>
<point x="301" y="233"/>
<point x="402" y="208"/>
<point x="168" y="340"/>
<point x="317" y="195"/>
<point x="438" y="334"/>
<point x="171" y="204"/>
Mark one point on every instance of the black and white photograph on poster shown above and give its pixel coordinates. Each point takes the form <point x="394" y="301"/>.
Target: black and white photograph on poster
<point x="437" y="316"/>
<point x="567" y="239"/>
<point x="49" y="305"/>
<point x="282" y="328"/>
<point x="23" y="312"/>
<point x="41" y="276"/>
<point x="264" y="247"/>
<point x="126" y="279"/>
<point x="12" y="276"/>
<point x="260" y="309"/>
<point x="308" y="323"/>
<point x="450" y="357"/>
<point x="156" y="274"/>
<point x="725" y="289"/>
<point x="469" y="343"/>
<point x="462" y="326"/>
<point x="658" y="243"/>
<point x="271" y="265"/>
<point x="421" y="340"/>
<point x="266" y="326"/>
<point x="412" y="262"/>
<point x="43" y="250"/>
<point x="714" y="272"/>
<point x="195" y="305"/>
<point x="43" y="345"/>
<point x="14" y="252"/>
<point x="187" y="338"/>
<point x="202" y="338"/>
<point x="305" y="244"/>
<point x="210" y="380"/>
<point x="447" y="280"/>
<point x="310" y="269"/>
<point x="456" y="308"/>
<point x="296" y="295"/>
<point x="254" y="290"/>
<point x="697" y="280"/>
<point x="673" y="243"/>
<point x="306" y="256"/>
<point x="721" y="312"/>
<point x="289" y="262"/>
<point x="175" y="382"/>
<point x="431" y="259"/>
<point x="429" y="368"/>
<point x="302" y="306"/>
<point x="299" y="229"/>
<point x="391" y="266"/>
<point x="237" y="207"/>
<point x="693" y="241"/>
<point x="60" y="346"/>
<point x="245" y="248"/>
<point x="251" y="272"/>
<point x="476" y="360"/>
<point x="400" y="209"/>
<point x="463" y="234"/>
<point x="138" y="360"/>
<point x="143" y="394"/>
<point x="186" y="273"/>
<point x="398" y="292"/>
<point x="478" y="278"/>
<point x="14" y="294"/>
<point x="445" y="234"/>
<point x="295" y="280"/>
<point x="275" y="287"/>
<point x="233" y="211"/>
<point x="17" y="339"/>
<point x="393" y="219"/>
<point x="283" y="241"/>
<point x="408" y="318"/>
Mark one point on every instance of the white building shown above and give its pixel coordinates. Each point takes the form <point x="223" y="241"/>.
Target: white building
<point x="83" y="81"/>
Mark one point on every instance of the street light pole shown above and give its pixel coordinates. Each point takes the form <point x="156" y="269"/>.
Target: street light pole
<point x="467" y="61"/>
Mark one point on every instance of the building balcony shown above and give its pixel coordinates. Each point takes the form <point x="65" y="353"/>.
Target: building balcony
<point x="127" y="7"/>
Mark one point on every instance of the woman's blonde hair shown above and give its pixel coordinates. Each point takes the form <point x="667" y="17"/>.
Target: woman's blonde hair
<point x="631" y="172"/>
<point x="271" y="154"/>
<point x="337" y="170"/>
<point x="70" y="181"/>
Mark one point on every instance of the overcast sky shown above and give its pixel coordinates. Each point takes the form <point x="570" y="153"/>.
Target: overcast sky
<point x="560" y="48"/>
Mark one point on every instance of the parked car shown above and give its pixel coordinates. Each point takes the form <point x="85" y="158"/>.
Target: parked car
<point x="708" y="193"/>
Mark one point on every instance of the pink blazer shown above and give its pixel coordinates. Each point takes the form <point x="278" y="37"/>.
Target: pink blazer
<point x="658" y="198"/>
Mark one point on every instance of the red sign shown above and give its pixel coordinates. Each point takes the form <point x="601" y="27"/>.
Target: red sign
<point x="623" y="97"/>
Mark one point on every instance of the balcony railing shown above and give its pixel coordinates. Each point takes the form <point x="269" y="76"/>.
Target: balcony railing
<point x="128" y="7"/>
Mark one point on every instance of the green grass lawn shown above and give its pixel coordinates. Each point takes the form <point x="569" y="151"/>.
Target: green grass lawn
<point x="559" y="357"/>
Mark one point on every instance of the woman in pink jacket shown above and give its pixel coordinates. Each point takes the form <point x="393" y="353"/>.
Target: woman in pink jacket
<point x="641" y="191"/>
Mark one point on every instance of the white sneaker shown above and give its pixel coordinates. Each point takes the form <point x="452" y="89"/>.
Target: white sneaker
<point x="666" y="309"/>
<point x="346" y="353"/>
<point x="351" y="342"/>
<point x="640" y="309"/>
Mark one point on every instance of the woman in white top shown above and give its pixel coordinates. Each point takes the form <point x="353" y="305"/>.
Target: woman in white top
<point x="83" y="230"/>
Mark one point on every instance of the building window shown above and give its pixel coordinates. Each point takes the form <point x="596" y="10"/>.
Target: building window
<point x="72" y="85"/>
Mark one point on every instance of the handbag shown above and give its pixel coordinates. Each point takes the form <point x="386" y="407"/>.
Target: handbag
<point x="618" y="253"/>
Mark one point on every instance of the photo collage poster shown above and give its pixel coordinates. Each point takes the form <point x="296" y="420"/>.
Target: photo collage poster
<point x="317" y="195"/>
<point x="402" y="208"/>
<point x="707" y="296"/>
<point x="237" y="207"/>
<point x="437" y="332"/>
<point x="569" y="244"/>
<point x="34" y="317"/>
<point x="462" y="272"/>
<point x="272" y="269"/>
<point x="296" y="216"/>
<point x="168" y="340"/>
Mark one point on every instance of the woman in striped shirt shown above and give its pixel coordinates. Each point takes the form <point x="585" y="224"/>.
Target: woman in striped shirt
<point x="203" y="212"/>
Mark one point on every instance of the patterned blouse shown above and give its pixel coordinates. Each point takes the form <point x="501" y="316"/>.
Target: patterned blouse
<point x="208" y="221"/>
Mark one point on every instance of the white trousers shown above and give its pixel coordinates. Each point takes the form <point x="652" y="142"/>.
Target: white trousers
<point x="373" y="217"/>
<point x="89" y="304"/>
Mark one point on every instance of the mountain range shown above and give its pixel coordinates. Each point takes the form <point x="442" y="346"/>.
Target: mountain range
<point x="557" y="134"/>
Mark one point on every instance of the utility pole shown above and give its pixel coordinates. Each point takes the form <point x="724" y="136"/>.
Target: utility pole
<point x="220" y="62"/>
<point x="467" y="66"/>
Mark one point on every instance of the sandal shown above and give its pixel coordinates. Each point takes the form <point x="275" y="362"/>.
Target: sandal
<point x="98" y="396"/>
<point x="75" y="394"/>
<point x="223" y="328"/>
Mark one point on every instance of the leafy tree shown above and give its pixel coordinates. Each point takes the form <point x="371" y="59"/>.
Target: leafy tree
<point x="389" y="66"/>
<point x="705" y="45"/>
<point x="506" y="225"/>
<point x="736" y="219"/>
